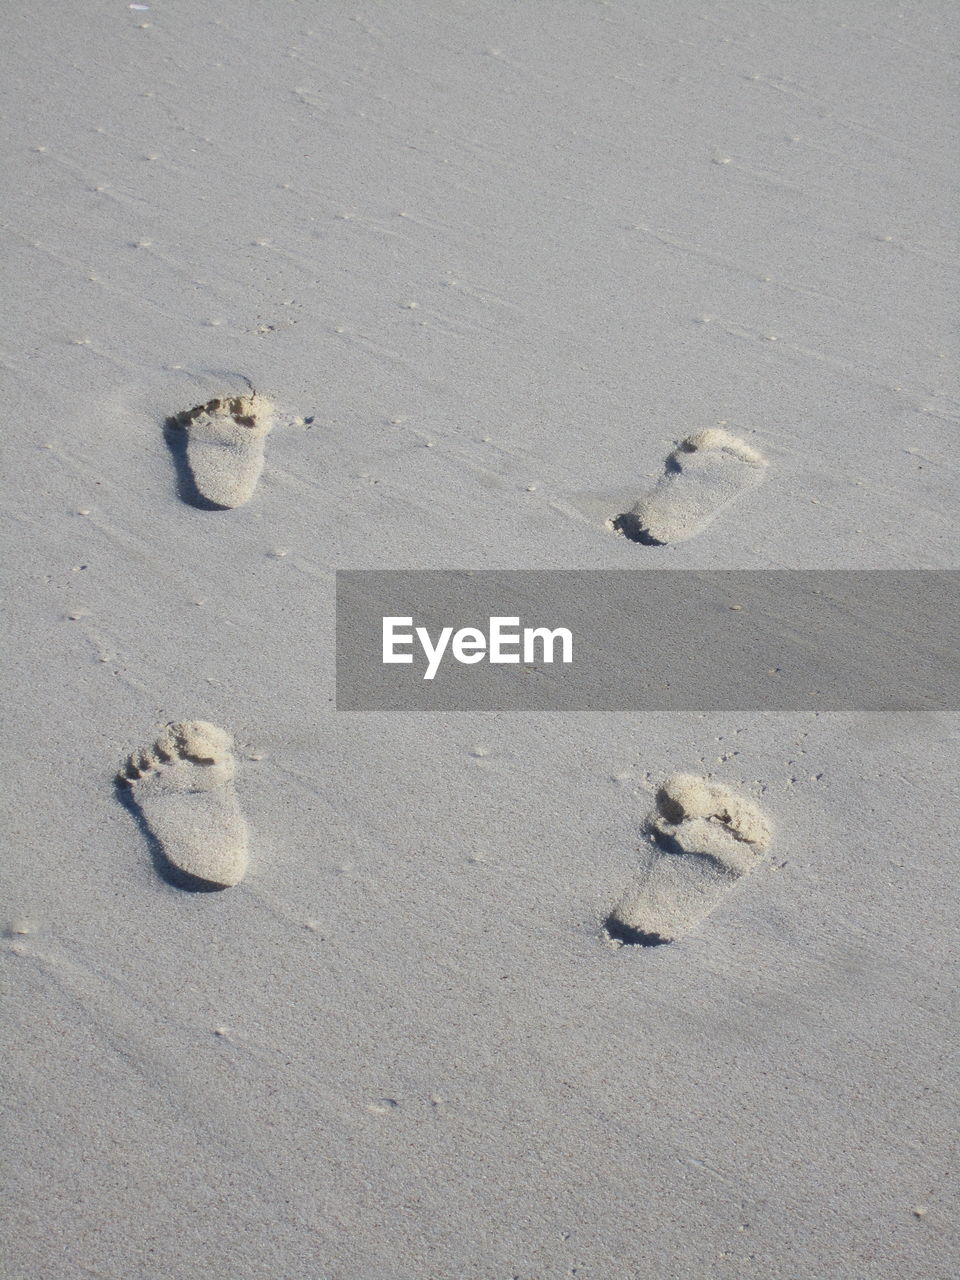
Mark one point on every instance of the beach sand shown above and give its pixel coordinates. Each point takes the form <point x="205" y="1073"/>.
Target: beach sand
<point x="490" y="263"/>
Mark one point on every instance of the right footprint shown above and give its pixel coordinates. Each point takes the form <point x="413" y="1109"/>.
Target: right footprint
<point x="225" y="440"/>
<point x="703" y="475"/>
<point x="705" y="838"/>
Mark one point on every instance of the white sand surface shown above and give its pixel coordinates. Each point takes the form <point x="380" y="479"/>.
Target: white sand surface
<point x="491" y="261"/>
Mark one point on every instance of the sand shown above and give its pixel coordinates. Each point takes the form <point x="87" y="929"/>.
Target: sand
<point x="483" y="260"/>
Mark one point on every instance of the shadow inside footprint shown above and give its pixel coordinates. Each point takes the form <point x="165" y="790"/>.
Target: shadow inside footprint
<point x="623" y="933"/>
<point x="631" y="528"/>
<point x="176" y="439"/>
<point x="161" y="863"/>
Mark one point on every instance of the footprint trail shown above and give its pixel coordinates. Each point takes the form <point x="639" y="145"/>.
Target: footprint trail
<point x="704" y="474"/>
<point x="705" y="839"/>
<point x="183" y="787"/>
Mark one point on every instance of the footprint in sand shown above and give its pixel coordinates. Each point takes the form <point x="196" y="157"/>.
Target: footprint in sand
<point x="705" y="838"/>
<point x="183" y="787"/>
<point x="224" y="446"/>
<point x="703" y="475"/>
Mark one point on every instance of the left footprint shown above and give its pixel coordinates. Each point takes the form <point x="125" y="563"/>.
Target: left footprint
<point x="225" y="441"/>
<point x="183" y="787"/>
